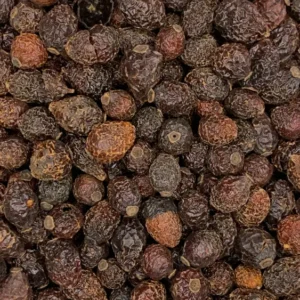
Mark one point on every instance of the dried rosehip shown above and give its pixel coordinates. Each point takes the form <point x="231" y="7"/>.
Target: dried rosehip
<point x="43" y="2"/>
<point x="13" y="152"/>
<point x="62" y="262"/>
<point x="256" y="248"/>
<point x="165" y="174"/>
<point x="230" y="193"/>
<point x="38" y="124"/>
<point x="5" y="8"/>
<point x="199" y="51"/>
<point x="189" y="284"/>
<point x="6" y="70"/>
<point x="220" y="277"/>
<point x="76" y="114"/>
<point x="162" y="221"/>
<point x="121" y="294"/>
<point x="170" y="41"/>
<point x="240" y="21"/>
<point x="110" y="274"/>
<point x="175" y="99"/>
<point x="16" y="286"/>
<point x="187" y="182"/>
<point x="118" y="105"/>
<point x="153" y="290"/>
<point x="50" y="161"/>
<point x="137" y="275"/>
<point x="51" y="294"/>
<point x="88" y="287"/>
<point x="206" y="182"/>
<point x="207" y="85"/>
<point x="109" y="142"/>
<point x="28" y="51"/>
<point x="248" y="277"/>
<point x="36" y="234"/>
<point x="282" y="278"/>
<point x="157" y="262"/>
<point x="11" y="111"/>
<point x="63" y="23"/>
<point x="25" y="17"/>
<point x="193" y="209"/>
<point x="128" y="242"/>
<point x="293" y="171"/>
<point x="176" y="4"/>
<point x="217" y="130"/>
<point x="255" y="210"/>
<point x="172" y="71"/>
<point x="259" y="169"/>
<point x="148" y="14"/>
<point x="225" y="160"/>
<point x="248" y="294"/>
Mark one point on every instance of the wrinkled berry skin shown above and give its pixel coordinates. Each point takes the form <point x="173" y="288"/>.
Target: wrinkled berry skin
<point x="5" y="8"/>
<point x="148" y="14"/>
<point x="189" y="284"/>
<point x="240" y="21"/>
<point x="256" y="248"/>
<point x="202" y="248"/>
<point x="293" y="170"/>
<point x="50" y="161"/>
<point x="6" y="68"/>
<point x="248" y="294"/>
<point x="248" y="277"/>
<point x="51" y="294"/>
<point x="153" y="290"/>
<point x="109" y="142"/>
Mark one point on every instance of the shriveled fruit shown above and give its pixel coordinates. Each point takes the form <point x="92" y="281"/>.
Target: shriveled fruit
<point x="293" y="170"/>
<point x="6" y="70"/>
<point x="248" y="277"/>
<point x="6" y="7"/>
<point x="152" y="290"/>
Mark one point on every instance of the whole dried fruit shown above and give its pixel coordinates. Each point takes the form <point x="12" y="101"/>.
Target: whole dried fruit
<point x="6" y="7"/>
<point x="153" y="290"/>
<point x="6" y="68"/>
<point x="248" y="277"/>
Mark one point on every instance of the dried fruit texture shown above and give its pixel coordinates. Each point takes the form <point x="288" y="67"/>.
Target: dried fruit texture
<point x="225" y="160"/>
<point x="118" y="105"/>
<point x="220" y="277"/>
<point x="175" y="99"/>
<point x="282" y="279"/>
<point x="144" y="185"/>
<point x="286" y="39"/>
<point x="62" y="262"/>
<point x="248" y="294"/>
<point x="36" y="234"/>
<point x="141" y="70"/>
<point x="148" y="121"/>
<point x="259" y="169"/>
<point x="16" y="286"/>
<point x="207" y="85"/>
<point x="64" y="221"/>
<point x="148" y="14"/>
<point x="11" y="111"/>
<point x="282" y="201"/>
<point x="7" y="34"/>
<point x="273" y="11"/>
<point x="131" y="37"/>
<point x="266" y="136"/>
<point x="288" y="234"/>
<point x="232" y="61"/>
<point x="162" y="221"/>
<point x="285" y="119"/>
<point x="165" y="174"/>
<point x="217" y="130"/>
<point x="81" y="160"/>
<point x="193" y="209"/>
<point x="54" y="192"/>
<point x="244" y="104"/>
<point x="137" y="276"/>
<point x="109" y="142"/>
<point x="240" y="21"/>
<point x="172" y="70"/>
<point x="57" y="26"/>
<point x="246" y="137"/>
<point x="98" y="45"/>
<point x="248" y="277"/>
<point x="14" y="152"/>
<point x="199" y="51"/>
<point x="177" y="5"/>
<point x="175" y="136"/>
<point x="93" y="12"/>
<point x="121" y="294"/>
<point x="230" y="193"/>
<point x="256" y="248"/>
<point x="189" y="284"/>
<point x="192" y="25"/>
<point x="152" y="290"/>
<point x="6" y="7"/>
<point x="87" y="80"/>
<point x="187" y="182"/>
<point x="20" y="204"/>
<point x="293" y="170"/>
<point x="88" y="190"/>
<point x="255" y="210"/>
<point x="11" y="244"/>
<point x="6" y="69"/>
<point x="51" y="294"/>
<point x="170" y="41"/>
<point x="50" y="161"/>
<point x="110" y="274"/>
<point x="43" y="3"/>
<point x="128" y="242"/>
<point x="25" y="17"/>
<point x="206" y="181"/>
<point x="28" y="51"/>
<point x="76" y="114"/>
<point x="157" y="262"/>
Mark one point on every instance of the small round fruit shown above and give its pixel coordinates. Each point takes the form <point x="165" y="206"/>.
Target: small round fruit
<point x="248" y="277"/>
<point x="150" y="290"/>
